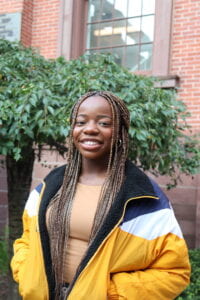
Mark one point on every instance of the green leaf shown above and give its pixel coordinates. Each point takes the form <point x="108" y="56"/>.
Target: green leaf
<point x="51" y="110"/>
<point x="38" y="114"/>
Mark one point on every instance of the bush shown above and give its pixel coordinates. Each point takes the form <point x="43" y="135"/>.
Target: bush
<point x="4" y="266"/>
<point x="4" y="261"/>
<point x="192" y="292"/>
<point x="36" y="97"/>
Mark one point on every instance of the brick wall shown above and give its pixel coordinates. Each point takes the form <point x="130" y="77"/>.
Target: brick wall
<point x="185" y="55"/>
<point x="49" y="160"/>
<point x="40" y="28"/>
<point x="27" y="23"/>
<point x="11" y="6"/>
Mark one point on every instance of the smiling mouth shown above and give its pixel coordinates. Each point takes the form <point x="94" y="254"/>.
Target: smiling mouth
<point x="90" y="143"/>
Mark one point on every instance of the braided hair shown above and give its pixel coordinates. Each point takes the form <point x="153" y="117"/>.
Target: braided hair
<point x="59" y="218"/>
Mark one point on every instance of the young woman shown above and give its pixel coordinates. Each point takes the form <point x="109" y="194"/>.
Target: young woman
<point x="98" y="228"/>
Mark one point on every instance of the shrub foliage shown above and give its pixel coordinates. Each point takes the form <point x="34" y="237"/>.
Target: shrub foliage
<point x="193" y="290"/>
<point x="3" y="257"/>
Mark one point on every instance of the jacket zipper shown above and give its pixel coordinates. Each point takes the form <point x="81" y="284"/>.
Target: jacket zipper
<point x="63" y="293"/>
<point x="130" y="199"/>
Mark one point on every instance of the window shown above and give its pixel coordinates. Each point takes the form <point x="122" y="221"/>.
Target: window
<point x="138" y="31"/>
<point x="124" y="28"/>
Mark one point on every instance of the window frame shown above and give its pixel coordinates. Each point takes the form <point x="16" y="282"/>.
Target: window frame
<point x="162" y="38"/>
<point x="161" y="44"/>
<point x="119" y="45"/>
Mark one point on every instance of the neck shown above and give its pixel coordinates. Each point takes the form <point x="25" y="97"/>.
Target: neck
<point x="92" y="172"/>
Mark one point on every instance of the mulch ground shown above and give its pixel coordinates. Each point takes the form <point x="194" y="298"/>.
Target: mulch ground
<point x="8" y="289"/>
<point x="3" y="287"/>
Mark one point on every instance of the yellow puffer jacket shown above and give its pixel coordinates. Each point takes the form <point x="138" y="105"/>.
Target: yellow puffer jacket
<point x="138" y="254"/>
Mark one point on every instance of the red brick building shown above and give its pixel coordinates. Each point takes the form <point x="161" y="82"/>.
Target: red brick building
<point x="154" y="37"/>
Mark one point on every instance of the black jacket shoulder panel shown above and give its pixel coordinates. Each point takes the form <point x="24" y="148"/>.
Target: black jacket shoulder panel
<point x="137" y="183"/>
<point x="57" y="172"/>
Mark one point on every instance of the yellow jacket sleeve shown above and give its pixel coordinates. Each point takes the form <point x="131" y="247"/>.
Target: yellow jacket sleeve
<point x="164" y="279"/>
<point x="21" y="247"/>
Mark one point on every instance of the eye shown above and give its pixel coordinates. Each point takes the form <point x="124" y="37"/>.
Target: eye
<point x="104" y="124"/>
<point x="79" y="123"/>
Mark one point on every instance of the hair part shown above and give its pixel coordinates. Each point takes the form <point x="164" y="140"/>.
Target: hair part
<point x="59" y="218"/>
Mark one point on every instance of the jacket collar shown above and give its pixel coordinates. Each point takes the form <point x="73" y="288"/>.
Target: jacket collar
<point x="136" y="184"/>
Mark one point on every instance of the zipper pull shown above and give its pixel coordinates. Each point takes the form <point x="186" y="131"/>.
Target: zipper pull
<point x="63" y="293"/>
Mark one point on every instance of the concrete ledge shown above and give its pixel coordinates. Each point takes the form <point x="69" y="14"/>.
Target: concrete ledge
<point x="166" y="82"/>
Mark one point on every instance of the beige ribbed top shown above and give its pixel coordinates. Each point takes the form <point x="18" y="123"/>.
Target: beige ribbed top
<point x="82" y="216"/>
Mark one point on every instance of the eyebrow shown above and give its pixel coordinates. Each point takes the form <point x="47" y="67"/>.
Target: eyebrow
<point x="98" y="116"/>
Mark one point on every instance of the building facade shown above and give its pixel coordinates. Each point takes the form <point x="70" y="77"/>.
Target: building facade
<point x="152" y="37"/>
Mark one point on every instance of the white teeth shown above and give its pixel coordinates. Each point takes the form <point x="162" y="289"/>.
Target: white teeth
<point x="90" y="143"/>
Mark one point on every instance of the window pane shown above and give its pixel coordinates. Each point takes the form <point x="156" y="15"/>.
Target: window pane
<point x="134" y="8"/>
<point x="93" y="35"/>
<point x="120" y="10"/>
<point x="133" y="31"/>
<point x="147" y="29"/>
<point x="119" y="33"/>
<point x="105" y="34"/>
<point x="132" y="57"/>
<point x="148" y="7"/>
<point x="107" y="9"/>
<point x="91" y="12"/>
<point x="94" y="12"/>
<point x="145" y="57"/>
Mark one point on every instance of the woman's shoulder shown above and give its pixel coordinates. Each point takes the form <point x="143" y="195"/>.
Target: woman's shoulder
<point x="140" y="185"/>
<point x="55" y="174"/>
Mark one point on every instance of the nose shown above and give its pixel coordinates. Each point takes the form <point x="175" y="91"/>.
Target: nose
<point x="91" y="128"/>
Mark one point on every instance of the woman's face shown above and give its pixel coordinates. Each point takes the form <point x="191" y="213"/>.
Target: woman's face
<point x="93" y="128"/>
